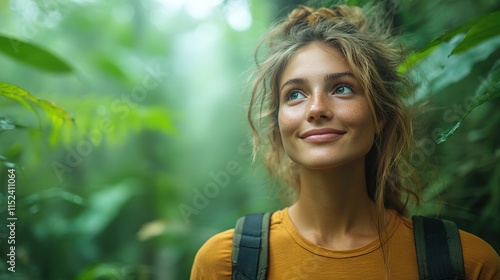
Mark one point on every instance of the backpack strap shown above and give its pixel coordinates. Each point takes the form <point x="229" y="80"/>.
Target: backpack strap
<point x="439" y="249"/>
<point x="250" y="247"/>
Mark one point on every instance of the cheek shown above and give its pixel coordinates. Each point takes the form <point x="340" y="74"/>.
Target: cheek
<point x="359" y="115"/>
<point x="286" y="122"/>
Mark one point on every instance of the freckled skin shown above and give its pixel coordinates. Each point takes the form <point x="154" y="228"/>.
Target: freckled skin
<point x="321" y="104"/>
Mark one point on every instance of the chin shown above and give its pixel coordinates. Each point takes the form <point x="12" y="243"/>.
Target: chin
<point x="319" y="165"/>
<point x="326" y="164"/>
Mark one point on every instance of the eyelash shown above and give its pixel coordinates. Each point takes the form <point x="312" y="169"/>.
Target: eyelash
<point x="290" y="92"/>
<point x="343" y="85"/>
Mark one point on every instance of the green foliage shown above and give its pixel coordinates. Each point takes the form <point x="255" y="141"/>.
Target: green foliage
<point x="457" y="75"/>
<point x="452" y="56"/>
<point x="486" y="28"/>
<point x="477" y="31"/>
<point x="102" y="207"/>
<point x="487" y="91"/>
<point x="57" y="115"/>
<point x="32" y="55"/>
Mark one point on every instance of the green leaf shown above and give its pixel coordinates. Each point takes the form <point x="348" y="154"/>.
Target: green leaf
<point x="56" y="114"/>
<point x="32" y="55"/>
<point x="420" y="55"/>
<point x="112" y="69"/>
<point x="414" y="59"/>
<point x="439" y="70"/>
<point x="16" y="93"/>
<point x="450" y="34"/>
<point x="486" y="29"/>
<point x="489" y="90"/>
<point x="103" y="206"/>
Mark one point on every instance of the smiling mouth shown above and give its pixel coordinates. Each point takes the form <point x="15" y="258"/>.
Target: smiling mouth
<point x="321" y="135"/>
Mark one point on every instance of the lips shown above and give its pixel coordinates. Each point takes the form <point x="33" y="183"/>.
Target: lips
<point x="321" y="135"/>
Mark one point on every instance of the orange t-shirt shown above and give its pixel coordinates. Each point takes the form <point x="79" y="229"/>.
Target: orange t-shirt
<point x="291" y="256"/>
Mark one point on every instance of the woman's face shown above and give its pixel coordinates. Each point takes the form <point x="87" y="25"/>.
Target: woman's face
<point x="324" y="116"/>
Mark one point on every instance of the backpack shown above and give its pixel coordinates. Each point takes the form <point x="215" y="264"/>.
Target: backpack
<point x="437" y="243"/>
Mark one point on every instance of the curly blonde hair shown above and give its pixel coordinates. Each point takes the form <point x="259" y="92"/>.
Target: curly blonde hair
<point x="373" y="56"/>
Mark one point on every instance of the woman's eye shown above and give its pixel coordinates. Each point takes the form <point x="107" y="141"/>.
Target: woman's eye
<point x="294" y="95"/>
<point x="343" y="90"/>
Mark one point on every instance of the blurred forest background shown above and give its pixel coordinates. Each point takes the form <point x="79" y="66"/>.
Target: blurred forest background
<point x="126" y="126"/>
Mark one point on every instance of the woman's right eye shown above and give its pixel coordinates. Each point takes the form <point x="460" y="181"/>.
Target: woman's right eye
<point x="295" y="95"/>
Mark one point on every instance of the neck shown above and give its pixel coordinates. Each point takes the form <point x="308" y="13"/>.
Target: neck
<point x="333" y="208"/>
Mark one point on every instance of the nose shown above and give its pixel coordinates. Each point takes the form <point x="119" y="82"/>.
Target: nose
<point x="319" y="108"/>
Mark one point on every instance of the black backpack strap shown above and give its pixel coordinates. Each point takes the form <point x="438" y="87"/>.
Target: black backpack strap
<point x="250" y="247"/>
<point x="439" y="249"/>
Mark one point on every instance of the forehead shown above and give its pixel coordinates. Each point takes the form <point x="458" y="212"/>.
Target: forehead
<point x="315" y="60"/>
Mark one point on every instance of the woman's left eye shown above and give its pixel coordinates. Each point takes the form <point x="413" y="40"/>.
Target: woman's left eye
<point x="343" y="89"/>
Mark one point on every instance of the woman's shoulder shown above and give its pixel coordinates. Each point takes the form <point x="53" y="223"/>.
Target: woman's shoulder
<point x="213" y="260"/>
<point x="480" y="259"/>
<point x="220" y="243"/>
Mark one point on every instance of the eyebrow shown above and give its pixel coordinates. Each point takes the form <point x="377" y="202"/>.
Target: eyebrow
<point x="328" y="77"/>
<point x="334" y="76"/>
<point x="298" y="81"/>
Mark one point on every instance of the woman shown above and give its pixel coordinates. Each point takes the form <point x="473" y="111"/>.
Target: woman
<point x="337" y="132"/>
